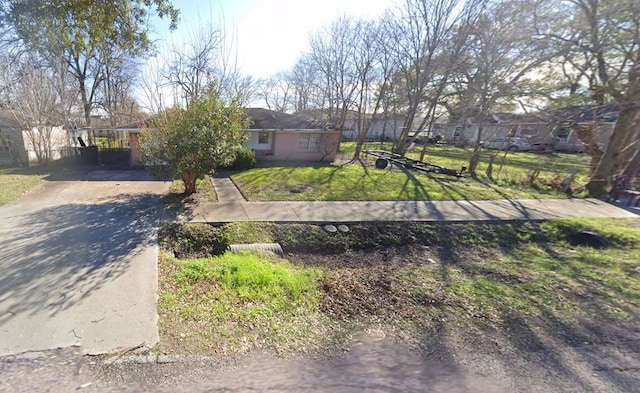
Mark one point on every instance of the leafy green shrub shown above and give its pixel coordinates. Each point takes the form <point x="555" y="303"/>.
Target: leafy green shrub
<point x="245" y="159"/>
<point x="191" y="142"/>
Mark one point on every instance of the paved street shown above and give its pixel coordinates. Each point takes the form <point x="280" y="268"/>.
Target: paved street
<point x="78" y="262"/>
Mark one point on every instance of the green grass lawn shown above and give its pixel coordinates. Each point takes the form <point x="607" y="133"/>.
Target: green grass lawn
<point x="356" y="181"/>
<point x="222" y="304"/>
<point x="16" y="181"/>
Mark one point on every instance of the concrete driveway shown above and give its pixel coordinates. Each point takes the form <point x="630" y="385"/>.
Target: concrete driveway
<point x="78" y="264"/>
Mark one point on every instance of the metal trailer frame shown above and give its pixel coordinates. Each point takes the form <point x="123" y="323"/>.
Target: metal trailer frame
<point x="384" y="157"/>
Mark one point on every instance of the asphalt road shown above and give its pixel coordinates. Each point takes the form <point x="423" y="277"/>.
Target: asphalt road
<point x="78" y="262"/>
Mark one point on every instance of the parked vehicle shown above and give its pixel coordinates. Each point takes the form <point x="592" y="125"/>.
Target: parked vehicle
<point x="511" y="144"/>
<point x="570" y="147"/>
<point x="541" y="147"/>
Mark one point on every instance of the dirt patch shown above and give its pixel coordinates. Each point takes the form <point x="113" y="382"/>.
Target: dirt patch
<point x="502" y="300"/>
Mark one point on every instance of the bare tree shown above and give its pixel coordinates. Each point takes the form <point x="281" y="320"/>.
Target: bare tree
<point x="39" y="97"/>
<point x="332" y="55"/>
<point x="607" y="34"/>
<point x="115" y="96"/>
<point x="499" y="56"/>
<point x="305" y="88"/>
<point x="154" y="86"/>
<point x="208" y="56"/>
<point x="191" y="67"/>
<point x="374" y="68"/>
<point x="277" y="92"/>
<point x="422" y="31"/>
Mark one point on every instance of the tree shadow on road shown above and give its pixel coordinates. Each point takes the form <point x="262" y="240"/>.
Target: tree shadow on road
<point x="55" y="257"/>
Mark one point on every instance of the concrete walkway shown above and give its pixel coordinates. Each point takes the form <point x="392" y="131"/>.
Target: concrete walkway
<point x="232" y="206"/>
<point x="225" y="188"/>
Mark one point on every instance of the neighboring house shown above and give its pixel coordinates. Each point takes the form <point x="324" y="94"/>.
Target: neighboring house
<point x="386" y="127"/>
<point x="277" y="136"/>
<point x="273" y="136"/>
<point x="12" y="152"/>
<point x="27" y="147"/>
<point x="499" y="125"/>
<point x="554" y="128"/>
<point x="602" y="119"/>
<point x="383" y="127"/>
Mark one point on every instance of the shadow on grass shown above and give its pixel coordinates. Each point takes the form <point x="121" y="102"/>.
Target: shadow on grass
<point x="553" y="345"/>
<point x="51" y="172"/>
<point x="420" y="193"/>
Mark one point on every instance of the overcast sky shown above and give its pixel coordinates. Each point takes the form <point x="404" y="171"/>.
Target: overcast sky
<point x="270" y="34"/>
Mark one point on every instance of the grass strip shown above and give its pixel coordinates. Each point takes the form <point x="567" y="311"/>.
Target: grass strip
<point x="236" y="302"/>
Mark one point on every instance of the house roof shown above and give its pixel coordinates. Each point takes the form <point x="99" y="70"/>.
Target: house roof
<point x="8" y="120"/>
<point x="265" y="119"/>
<point x="262" y="119"/>
<point x="588" y="113"/>
<point x="350" y="115"/>
<point x="572" y="114"/>
<point x="534" y="118"/>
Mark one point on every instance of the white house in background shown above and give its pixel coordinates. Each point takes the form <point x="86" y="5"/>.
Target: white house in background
<point x="384" y="127"/>
<point x="539" y="127"/>
<point x="381" y="128"/>
<point x="19" y="147"/>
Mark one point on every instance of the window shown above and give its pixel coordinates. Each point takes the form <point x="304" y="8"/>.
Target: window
<point x="4" y="143"/>
<point x="263" y="138"/>
<point x="457" y="133"/>
<point x="309" y="142"/>
<point x="563" y="135"/>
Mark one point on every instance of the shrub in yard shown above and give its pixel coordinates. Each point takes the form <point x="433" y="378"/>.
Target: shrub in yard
<point x="245" y="159"/>
<point x="193" y="141"/>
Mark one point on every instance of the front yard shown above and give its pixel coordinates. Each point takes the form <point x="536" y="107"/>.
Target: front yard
<point x="515" y="176"/>
<point x="521" y="282"/>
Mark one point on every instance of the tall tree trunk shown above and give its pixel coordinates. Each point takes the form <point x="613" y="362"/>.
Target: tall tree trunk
<point x="475" y="157"/>
<point x="611" y="158"/>
<point x="632" y="169"/>
<point x="359" y="144"/>
<point x="86" y="105"/>
<point x="585" y="133"/>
